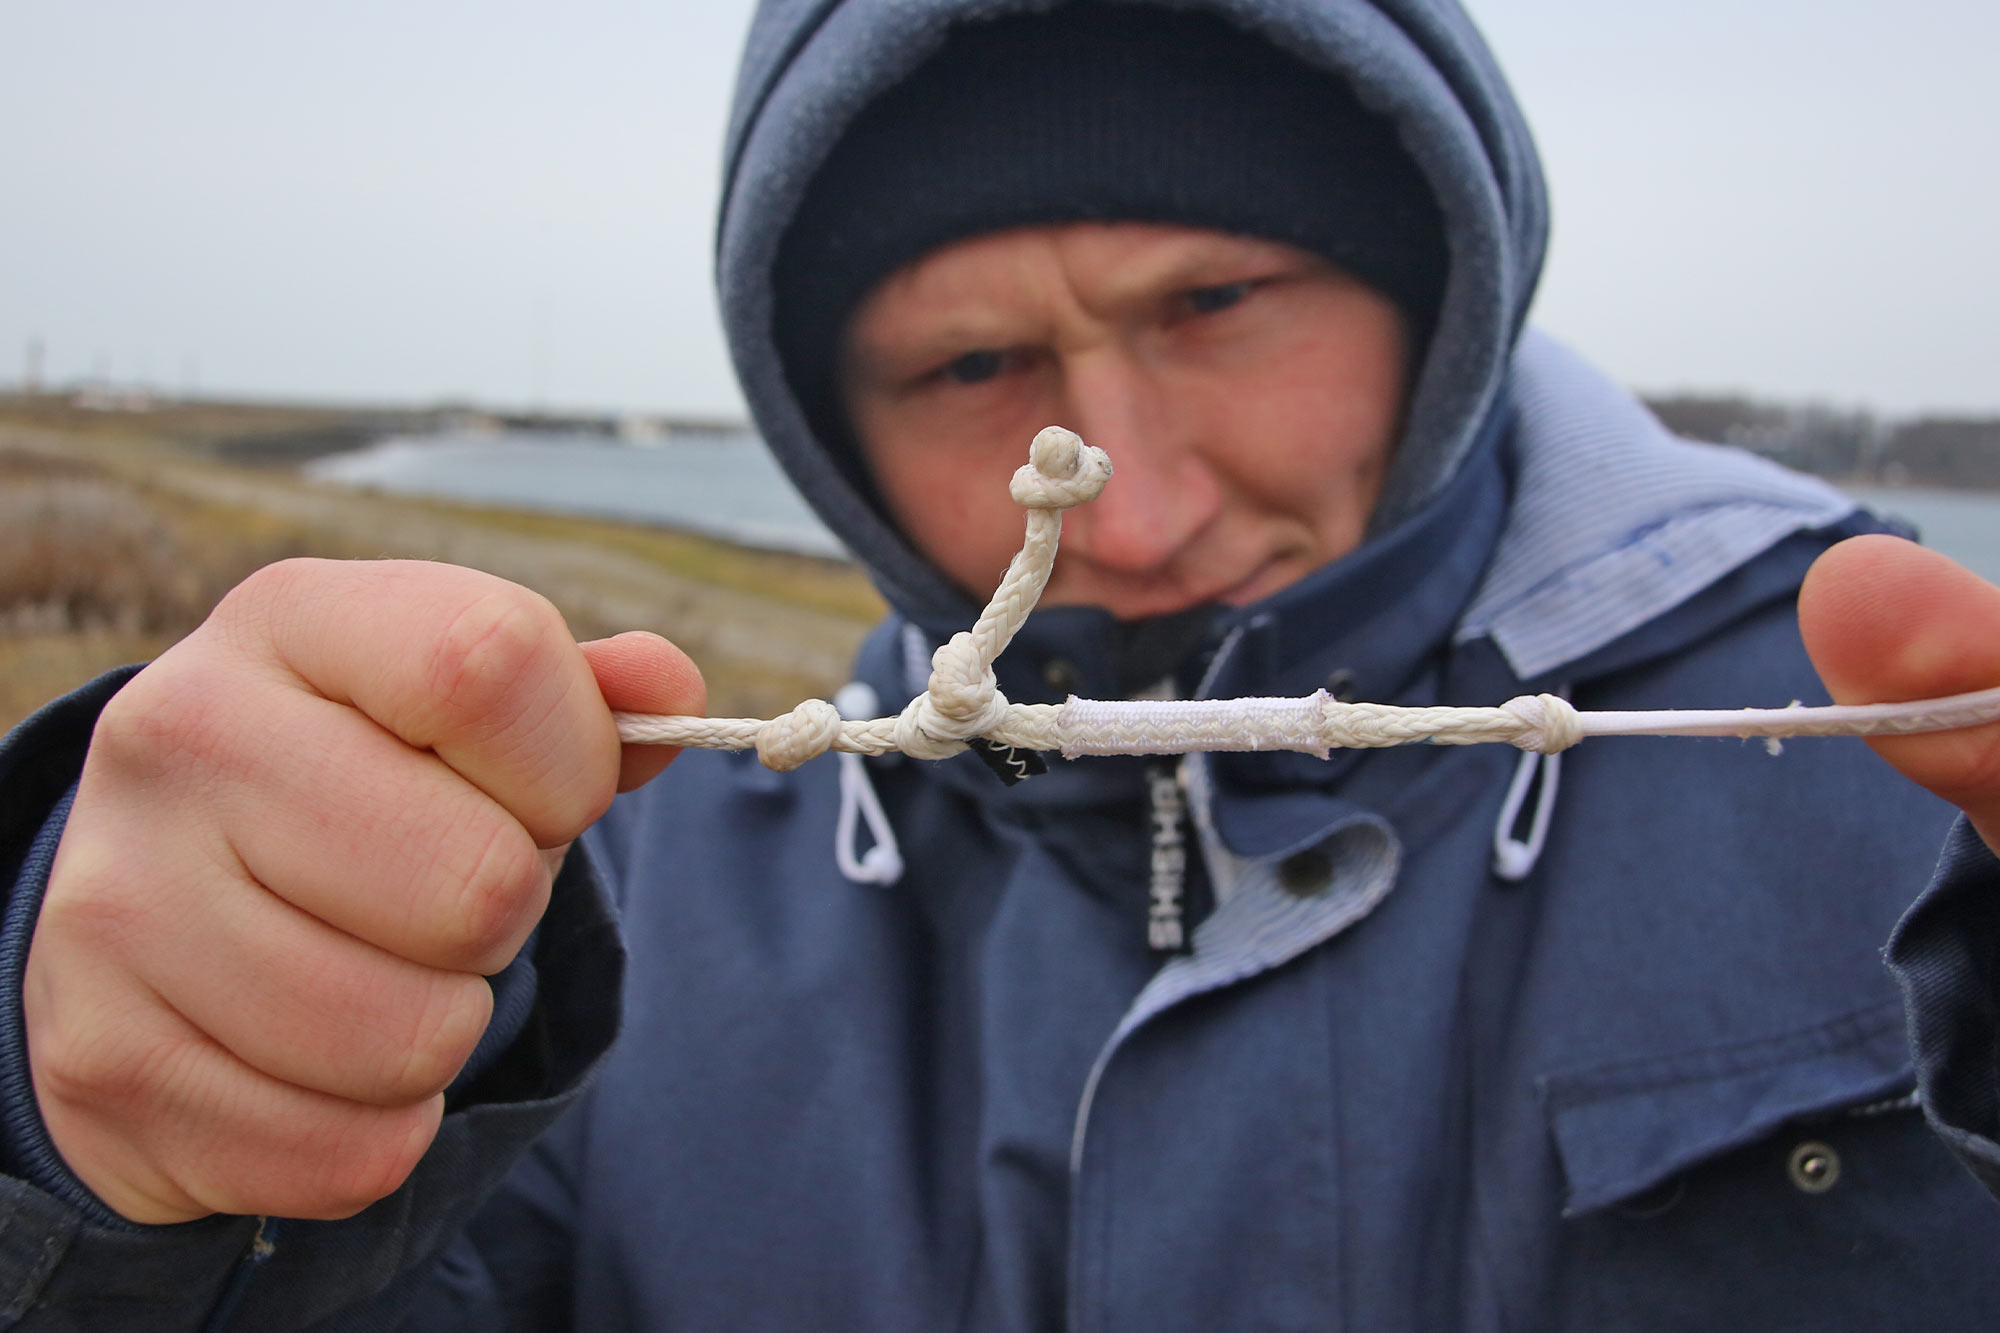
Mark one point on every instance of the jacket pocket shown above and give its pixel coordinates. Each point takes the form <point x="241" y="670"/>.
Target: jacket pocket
<point x="1786" y="1183"/>
<point x="1624" y="1129"/>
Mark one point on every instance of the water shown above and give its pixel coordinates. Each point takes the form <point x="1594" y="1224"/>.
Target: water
<point x="1965" y="525"/>
<point x="722" y="484"/>
<point x="725" y="485"/>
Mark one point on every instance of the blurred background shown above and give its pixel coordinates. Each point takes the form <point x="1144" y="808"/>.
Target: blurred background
<point x="377" y="278"/>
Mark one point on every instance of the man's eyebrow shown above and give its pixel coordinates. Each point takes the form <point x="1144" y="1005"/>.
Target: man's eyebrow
<point x="1208" y="265"/>
<point x="904" y="354"/>
<point x="954" y="332"/>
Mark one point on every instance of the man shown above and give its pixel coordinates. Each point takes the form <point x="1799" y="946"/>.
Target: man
<point x="1616" y="1052"/>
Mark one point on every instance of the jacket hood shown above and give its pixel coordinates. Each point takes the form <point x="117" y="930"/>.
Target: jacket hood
<point x="810" y="66"/>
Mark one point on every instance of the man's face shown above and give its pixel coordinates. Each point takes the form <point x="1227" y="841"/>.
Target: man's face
<point x="1248" y="392"/>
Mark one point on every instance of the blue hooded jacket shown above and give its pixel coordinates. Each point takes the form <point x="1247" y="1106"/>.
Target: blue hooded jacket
<point x="1424" y="1067"/>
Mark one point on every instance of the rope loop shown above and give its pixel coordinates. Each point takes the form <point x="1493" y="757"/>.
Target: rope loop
<point x="1550" y="723"/>
<point x="963" y="700"/>
<point x="807" y="732"/>
<point x="1061" y="473"/>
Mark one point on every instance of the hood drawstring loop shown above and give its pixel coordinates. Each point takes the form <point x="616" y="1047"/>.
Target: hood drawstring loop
<point x="882" y="862"/>
<point x="1514" y="858"/>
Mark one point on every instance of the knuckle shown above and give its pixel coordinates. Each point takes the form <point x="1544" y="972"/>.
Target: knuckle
<point x="266" y="599"/>
<point x="275" y="579"/>
<point x="67" y="1072"/>
<point x="594" y="791"/>
<point x="488" y="650"/>
<point x="95" y="1062"/>
<point x="257" y="590"/>
<point x="578" y="801"/>
<point x="164" y="721"/>
<point x="497" y="903"/>
<point x="92" y="907"/>
<point x="448" y="1027"/>
<point x="383" y="1036"/>
<point x="370" y="1157"/>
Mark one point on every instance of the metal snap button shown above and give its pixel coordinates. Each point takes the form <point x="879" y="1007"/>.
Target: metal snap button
<point x="1342" y="684"/>
<point x="1060" y="675"/>
<point x="1814" y="1167"/>
<point x="1305" y="874"/>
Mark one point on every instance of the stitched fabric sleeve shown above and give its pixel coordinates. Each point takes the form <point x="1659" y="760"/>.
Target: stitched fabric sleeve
<point x="28" y="1153"/>
<point x="1946" y="954"/>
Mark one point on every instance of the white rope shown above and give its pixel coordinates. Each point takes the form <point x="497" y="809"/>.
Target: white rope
<point x="963" y="702"/>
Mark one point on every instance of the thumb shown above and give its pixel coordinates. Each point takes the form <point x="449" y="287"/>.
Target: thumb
<point x="639" y="672"/>
<point x="1886" y="620"/>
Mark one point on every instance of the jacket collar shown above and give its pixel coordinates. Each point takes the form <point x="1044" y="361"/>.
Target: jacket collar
<point x="1615" y="522"/>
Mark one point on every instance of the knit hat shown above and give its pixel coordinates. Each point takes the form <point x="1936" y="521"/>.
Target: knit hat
<point x="1105" y="112"/>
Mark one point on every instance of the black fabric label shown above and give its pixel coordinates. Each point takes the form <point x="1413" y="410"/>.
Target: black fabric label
<point x="1008" y="764"/>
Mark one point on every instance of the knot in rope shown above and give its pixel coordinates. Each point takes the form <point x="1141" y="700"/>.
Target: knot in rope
<point x="1062" y="471"/>
<point x="963" y="700"/>
<point x="1550" y="723"/>
<point x="807" y="732"/>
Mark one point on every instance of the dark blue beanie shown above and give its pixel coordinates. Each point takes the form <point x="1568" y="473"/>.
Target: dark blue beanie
<point x="1105" y="112"/>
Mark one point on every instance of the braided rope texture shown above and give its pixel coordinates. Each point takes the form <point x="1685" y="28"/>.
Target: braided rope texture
<point x="963" y="701"/>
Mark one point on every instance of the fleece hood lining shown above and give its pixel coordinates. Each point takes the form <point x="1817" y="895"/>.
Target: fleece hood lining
<point x="823" y="62"/>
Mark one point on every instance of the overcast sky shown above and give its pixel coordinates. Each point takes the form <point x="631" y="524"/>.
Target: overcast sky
<point x="511" y="202"/>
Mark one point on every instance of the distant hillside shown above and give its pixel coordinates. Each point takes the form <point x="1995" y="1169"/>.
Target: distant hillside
<point x="278" y="433"/>
<point x="1955" y="452"/>
<point x="1856" y="447"/>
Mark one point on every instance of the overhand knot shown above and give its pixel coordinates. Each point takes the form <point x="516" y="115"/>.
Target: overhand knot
<point x="962" y="701"/>
<point x="807" y="732"/>
<point x="1551" y="723"/>
<point x="1062" y="471"/>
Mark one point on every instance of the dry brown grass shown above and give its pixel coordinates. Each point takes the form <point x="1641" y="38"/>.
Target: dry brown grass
<point x="112" y="546"/>
<point x="97" y="570"/>
<point x="35" y="668"/>
<point x="82" y="553"/>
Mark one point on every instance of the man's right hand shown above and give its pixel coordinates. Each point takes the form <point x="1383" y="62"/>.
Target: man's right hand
<point x="302" y="839"/>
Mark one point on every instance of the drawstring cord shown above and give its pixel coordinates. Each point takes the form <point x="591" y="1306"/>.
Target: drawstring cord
<point x="1514" y="858"/>
<point x="882" y="862"/>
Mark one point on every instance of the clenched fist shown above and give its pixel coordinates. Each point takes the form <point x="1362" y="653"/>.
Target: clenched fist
<point x="302" y="839"/>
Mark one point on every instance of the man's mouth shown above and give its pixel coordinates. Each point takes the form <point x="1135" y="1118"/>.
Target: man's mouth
<point x="1261" y="582"/>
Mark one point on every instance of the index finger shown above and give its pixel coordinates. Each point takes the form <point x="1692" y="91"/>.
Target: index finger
<point x="479" y="671"/>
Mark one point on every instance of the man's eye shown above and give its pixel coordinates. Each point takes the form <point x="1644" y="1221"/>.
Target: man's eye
<point x="1208" y="300"/>
<point x="975" y="367"/>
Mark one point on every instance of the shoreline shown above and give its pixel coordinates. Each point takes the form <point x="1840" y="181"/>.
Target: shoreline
<point x="118" y="534"/>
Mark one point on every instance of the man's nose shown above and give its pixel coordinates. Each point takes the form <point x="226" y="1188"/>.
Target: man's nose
<point x="1162" y="491"/>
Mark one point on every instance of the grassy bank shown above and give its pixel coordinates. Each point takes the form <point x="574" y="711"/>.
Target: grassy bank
<point x="119" y="532"/>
